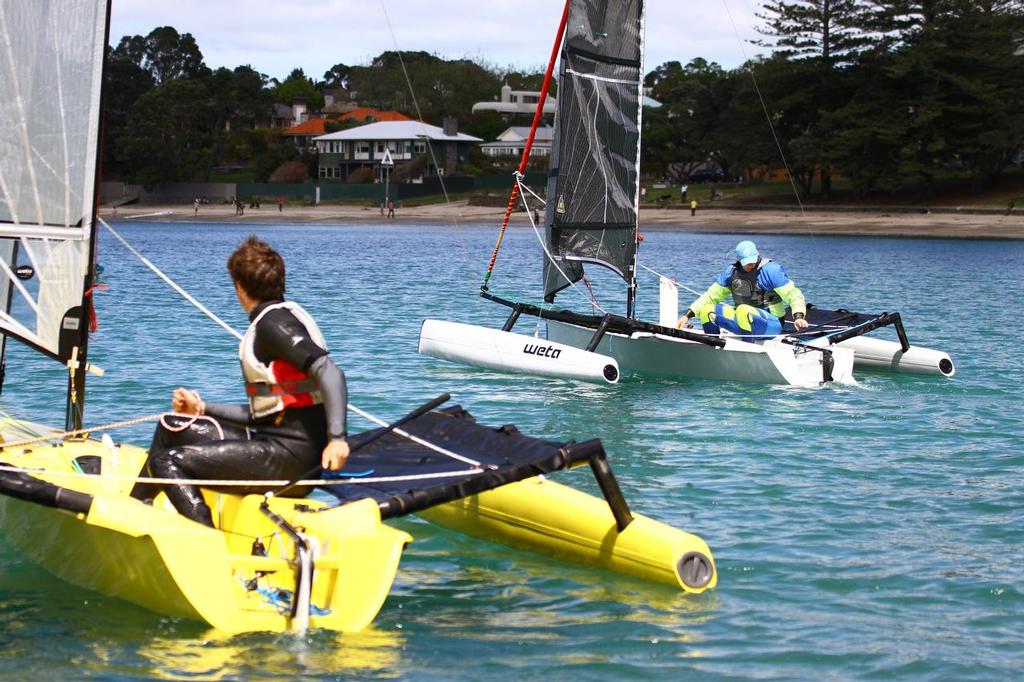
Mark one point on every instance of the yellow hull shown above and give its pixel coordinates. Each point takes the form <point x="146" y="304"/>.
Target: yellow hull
<point x="561" y="522"/>
<point x="153" y="557"/>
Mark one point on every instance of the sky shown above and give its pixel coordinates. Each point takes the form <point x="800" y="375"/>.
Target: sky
<point x="275" y="37"/>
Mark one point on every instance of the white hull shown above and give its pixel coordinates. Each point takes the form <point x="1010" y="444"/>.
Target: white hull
<point x="771" y="362"/>
<point x="510" y="352"/>
<point x="888" y="355"/>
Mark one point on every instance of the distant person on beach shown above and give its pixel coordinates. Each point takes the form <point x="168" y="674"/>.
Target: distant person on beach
<point x="761" y="291"/>
<point x="383" y="205"/>
<point x="295" y="418"/>
<point x="280" y="203"/>
<point x="683" y="190"/>
<point x="195" y="206"/>
<point x="391" y="208"/>
<point x="693" y="207"/>
<point x="1010" y="206"/>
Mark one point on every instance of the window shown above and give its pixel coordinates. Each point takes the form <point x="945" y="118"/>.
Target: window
<point x="419" y="147"/>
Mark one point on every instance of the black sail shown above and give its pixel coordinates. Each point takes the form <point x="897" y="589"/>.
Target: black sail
<point x="593" y="184"/>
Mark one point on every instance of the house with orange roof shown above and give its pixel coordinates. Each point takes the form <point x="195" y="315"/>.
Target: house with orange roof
<point x="371" y="115"/>
<point x="305" y="132"/>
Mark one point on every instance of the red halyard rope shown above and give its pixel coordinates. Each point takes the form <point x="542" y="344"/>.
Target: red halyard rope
<point x="537" y="116"/>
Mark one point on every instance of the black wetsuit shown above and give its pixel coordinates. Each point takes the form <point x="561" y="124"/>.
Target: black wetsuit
<point x="281" y="446"/>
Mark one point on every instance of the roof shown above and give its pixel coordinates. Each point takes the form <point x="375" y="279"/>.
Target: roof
<point x="521" y="133"/>
<point x="364" y="113"/>
<point x="398" y="130"/>
<point x="314" y="126"/>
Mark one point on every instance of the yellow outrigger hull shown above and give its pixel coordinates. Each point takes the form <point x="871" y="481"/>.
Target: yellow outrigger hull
<point x="549" y="518"/>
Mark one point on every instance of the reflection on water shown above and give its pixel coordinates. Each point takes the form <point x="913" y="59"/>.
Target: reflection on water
<point x="215" y="657"/>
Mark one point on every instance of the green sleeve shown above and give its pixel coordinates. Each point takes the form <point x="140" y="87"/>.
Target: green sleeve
<point x="716" y="293"/>
<point x="793" y="297"/>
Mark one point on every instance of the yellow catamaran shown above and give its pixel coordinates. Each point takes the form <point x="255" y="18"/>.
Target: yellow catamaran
<point x="272" y="562"/>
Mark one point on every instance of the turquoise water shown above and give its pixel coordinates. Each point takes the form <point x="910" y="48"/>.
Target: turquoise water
<point x="874" y="531"/>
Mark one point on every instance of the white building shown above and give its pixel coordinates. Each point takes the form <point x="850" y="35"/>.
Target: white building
<point x="346" y="150"/>
<point x="517" y="102"/>
<point x="513" y="140"/>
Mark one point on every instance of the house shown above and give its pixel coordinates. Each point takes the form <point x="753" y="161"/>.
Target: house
<point x="517" y="102"/>
<point x="513" y="140"/>
<point x="346" y="151"/>
<point x="304" y="133"/>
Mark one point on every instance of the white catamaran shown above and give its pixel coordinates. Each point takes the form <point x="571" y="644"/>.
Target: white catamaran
<point x="272" y="562"/>
<point x="591" y="216"/>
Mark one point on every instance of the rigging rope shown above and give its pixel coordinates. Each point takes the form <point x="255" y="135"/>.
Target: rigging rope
<point x="551" y="258"/>
<point x="226" y="326"/>
<point x="230" y="483"/>
<point x="415" y="103"/>
<point x="537" y="116"/>
<point x="764" y="106"/>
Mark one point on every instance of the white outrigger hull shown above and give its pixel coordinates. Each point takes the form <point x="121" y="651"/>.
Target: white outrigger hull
<point x="771" y="362"/>
<point x="888" y="355"/>
<point x="510" y="352"/>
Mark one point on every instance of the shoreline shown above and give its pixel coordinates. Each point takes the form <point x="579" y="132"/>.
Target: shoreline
<point x="838" y="222"/>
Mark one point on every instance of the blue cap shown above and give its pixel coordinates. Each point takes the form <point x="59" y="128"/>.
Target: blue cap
<point x="746" y="252"/>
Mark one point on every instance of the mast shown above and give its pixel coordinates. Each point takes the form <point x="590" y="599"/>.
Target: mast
<point x="631" y="282"/>
<point x="75" y="409"/>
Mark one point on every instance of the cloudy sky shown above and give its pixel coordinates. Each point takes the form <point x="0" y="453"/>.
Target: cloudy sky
<point x="275" y="37"/>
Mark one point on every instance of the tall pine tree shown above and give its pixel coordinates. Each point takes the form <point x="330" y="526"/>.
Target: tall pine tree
<point x="827" y="34"/>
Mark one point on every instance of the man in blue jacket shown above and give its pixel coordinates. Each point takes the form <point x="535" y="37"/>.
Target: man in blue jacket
<point x="761" y="291"/>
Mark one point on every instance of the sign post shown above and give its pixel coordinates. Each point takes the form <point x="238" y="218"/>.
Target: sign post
<point x="387" y="163"/>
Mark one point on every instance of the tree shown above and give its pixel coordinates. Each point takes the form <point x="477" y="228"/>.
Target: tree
<point x="168" y="134"/>
<point x="682" y="130"/>
<point x="298" y="86"/>
<point x="238" y="99"/>
<point x="439" y="86"/>
<point x="828" y="34"/>
<point x="125" y="82"/>
<point x="337" y="76"/>
<point x="958" y="67"/>
<point x="164" y="53"/>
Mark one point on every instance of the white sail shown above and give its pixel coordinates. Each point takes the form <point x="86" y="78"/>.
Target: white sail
<point x="51" y="59"/>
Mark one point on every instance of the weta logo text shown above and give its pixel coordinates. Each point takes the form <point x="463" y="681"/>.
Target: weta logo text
<point x="543" y="351"/>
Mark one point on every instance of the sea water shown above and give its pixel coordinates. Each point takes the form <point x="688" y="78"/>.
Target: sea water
<point x="874" y="531"/>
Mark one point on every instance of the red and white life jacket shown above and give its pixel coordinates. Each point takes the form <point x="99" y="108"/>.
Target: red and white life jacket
<point x="279" y="385"/>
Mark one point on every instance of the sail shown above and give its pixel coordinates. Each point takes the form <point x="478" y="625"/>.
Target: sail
<point x="593" y="186"/>
<point x="51" y="59"/>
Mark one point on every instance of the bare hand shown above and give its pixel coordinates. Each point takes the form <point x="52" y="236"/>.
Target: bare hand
<point x="334" y="455"/>
<point x="800" y="323"/>
<point x="185" y="401"/>
<point x="684" y="322"/>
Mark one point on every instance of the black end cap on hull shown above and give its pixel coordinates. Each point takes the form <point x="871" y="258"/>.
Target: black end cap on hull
<point x="20" y="485"/>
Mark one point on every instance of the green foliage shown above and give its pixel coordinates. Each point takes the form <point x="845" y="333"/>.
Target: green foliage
<point x="297" y="86"/>
<point x="167" y="137"/>
<point x="886" y="94"/>
<point x="441" y="86"/>
<point x="164" y="53"/>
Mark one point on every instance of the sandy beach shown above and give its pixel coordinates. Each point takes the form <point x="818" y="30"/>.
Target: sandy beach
<point x="877" y="223"/>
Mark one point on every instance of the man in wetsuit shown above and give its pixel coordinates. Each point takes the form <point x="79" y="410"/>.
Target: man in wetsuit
<point x="761" y="291"/>
<point x="297" y="401"/>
